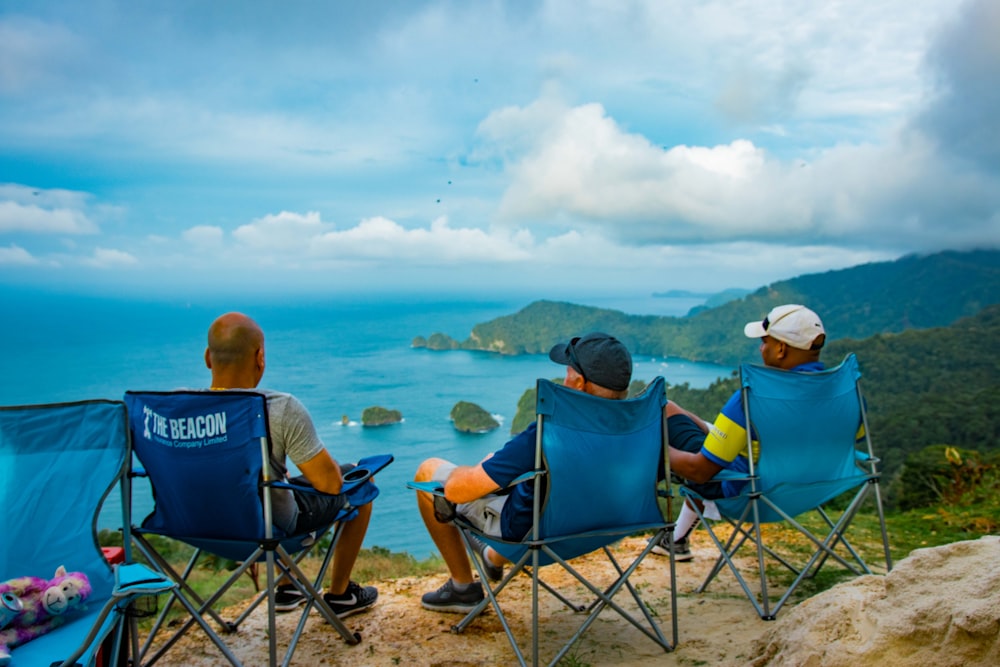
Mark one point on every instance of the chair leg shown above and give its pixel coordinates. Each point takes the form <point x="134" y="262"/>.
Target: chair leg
<point x="183" y="594"/>
<point x="603" y="598"/>
<point x="881" y="521"/>
<point x="317" y="585"/>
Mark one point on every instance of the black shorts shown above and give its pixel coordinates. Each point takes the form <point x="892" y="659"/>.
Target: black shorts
<point x="686" y="435"/>
<point x="315" y="510"/>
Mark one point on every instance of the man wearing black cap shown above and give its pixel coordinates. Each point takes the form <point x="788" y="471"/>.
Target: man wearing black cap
<point x="597" y="364"/>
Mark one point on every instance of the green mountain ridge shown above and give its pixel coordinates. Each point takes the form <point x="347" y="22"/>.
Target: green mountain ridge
<point x="913" y="292"/>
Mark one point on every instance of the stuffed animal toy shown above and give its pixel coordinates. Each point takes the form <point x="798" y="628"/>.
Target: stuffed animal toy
<point x="43" y="605"/>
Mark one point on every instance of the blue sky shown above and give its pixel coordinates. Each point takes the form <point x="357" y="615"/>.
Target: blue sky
<point x="558" y="147"/>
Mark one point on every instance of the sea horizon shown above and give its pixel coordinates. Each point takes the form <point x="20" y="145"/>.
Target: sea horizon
<point x="337" y="357"/>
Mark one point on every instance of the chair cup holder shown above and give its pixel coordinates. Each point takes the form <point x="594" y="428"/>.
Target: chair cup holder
<point x="357" y="475"/>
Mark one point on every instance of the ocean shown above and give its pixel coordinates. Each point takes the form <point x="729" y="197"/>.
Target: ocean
<point x="338" y="357"/>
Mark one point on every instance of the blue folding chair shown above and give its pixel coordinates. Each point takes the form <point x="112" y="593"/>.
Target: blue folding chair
<point x="596" y="466"/>
<point x="58" y="464"/>
<point x="807" y="426"/>
<point x="206" y="454"/>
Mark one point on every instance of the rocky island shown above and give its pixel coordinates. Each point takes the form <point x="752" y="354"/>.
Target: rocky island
<point x="379" y="416"/>
<point x="436" y="341"/>
<point x="470" y="418"/>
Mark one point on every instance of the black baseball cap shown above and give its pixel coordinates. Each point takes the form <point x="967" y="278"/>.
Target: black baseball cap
<point x="598" y="357"/>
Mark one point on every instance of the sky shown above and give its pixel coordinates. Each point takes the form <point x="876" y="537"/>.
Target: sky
<point x="550" y="147"/>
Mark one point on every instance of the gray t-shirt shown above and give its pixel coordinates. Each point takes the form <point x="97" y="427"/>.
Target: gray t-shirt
<point x="293" y="436"/>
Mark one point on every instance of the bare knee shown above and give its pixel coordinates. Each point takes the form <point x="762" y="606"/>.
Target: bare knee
<point x="426" y="470"/>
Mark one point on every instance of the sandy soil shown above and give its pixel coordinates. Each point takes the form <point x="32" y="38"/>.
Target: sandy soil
<point x="715" y="628"/>
<point x="939" y="606"/>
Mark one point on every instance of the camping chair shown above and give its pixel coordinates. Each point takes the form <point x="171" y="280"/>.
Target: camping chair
<point x="206" y="454"/>
<point x="58" y="464"/>
<point x="596" y="466"/>
<point x="807" y="425"/>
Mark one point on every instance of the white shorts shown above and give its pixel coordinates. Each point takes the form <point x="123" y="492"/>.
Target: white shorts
<point x="483" y="513"/>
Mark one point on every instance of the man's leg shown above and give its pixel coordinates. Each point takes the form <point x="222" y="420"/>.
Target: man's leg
<point x="445" y="535"/>
<point x="460" y="593"/>
<point x="316" y="511"/>
<point x="348" y="548"/>
<point x="685" y="431"/>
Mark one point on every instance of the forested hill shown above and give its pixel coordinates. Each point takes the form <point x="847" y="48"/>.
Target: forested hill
<point x="913" y="292"/>
<point x="931" y="387"/>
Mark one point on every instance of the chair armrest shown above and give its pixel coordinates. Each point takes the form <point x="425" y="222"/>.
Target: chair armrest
<point x="355" y="477"/>
<point x="862" y="457"/>
<point x="364" y="469"/>
<point x="131" y="579"/>
<point x="437" y="488"/>
<point x="719" y="477"/>
<point x="137" y="579"/>
<point x="433" y="488"/>
<point x="730" y="476"/>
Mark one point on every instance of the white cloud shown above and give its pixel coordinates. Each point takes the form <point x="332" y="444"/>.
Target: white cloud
<point x="631" y="134"/>
<point x="108" y="258"/>
<point x="16" y="256"/>
<point x="383" y="239"/>
<point x="17" y="217"/>
<point x="281" y="232"/>
<point x="304" y="239"/>
<point x="204" y="236"/>
<point x="584" y="170"/>
<point x="40" y="212"/>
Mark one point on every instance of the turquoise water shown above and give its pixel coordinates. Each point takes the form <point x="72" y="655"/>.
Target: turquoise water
<point x="338" y="358"/>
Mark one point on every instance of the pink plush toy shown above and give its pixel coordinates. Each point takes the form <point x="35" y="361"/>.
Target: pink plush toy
<point x="42" y="606"/>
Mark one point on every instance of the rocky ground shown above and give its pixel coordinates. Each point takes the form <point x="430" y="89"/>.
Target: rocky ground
<point x="941" y="607"/>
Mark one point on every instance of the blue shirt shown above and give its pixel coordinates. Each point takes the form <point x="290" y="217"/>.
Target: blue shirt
<point x="510" y="462"/>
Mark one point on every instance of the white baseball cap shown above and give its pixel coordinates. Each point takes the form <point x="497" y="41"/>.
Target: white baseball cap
<point x="793" y="324"/>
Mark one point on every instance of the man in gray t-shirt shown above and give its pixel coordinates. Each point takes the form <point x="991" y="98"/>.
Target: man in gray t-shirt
<point x="235" y="355"/>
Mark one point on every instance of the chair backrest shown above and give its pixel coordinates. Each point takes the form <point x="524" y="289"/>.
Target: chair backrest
<point x="204" y="453"/>
<point x="807" y="426"/>
<point x="58" y="463"/>
<point x="602" y="458"/>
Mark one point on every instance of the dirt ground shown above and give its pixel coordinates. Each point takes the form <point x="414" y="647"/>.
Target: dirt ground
<point x="939" y="606"/>
<point x="715" y="628"/>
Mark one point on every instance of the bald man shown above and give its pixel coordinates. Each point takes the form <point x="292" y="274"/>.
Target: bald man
<point x="235" y="355"/>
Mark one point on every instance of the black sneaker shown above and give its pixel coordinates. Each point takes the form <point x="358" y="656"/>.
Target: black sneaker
<point x="447" y="598"/>
<point x="287" y="597"/>
<point x="493" y="572"/>
<point x="356" y="598"/>
<point x="682" y="552"/>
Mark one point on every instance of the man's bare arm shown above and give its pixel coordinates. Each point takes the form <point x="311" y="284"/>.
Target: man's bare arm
<point x="323" y="473"/>
<point x="672" y="409"/>
<point x="467" y="483"/>
<point x="693" y="466"/>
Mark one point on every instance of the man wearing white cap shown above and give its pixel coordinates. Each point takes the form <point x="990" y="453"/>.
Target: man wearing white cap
<point x="791" y="337"/>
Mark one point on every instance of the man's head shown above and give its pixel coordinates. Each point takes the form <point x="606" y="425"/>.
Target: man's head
<point x="235" y="352"/>
<point x="790" y="335"/>
<point x="596" y="363"/>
